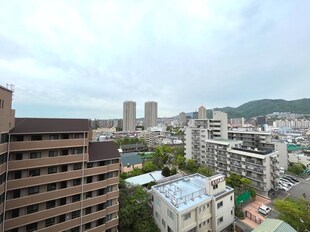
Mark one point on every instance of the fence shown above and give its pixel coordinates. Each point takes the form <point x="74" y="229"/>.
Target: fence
<point x="252" y="217"/>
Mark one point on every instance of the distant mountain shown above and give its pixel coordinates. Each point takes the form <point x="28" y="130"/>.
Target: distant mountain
<point x="266" y="106"/>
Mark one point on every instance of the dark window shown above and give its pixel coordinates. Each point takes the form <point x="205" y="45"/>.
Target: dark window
<point x="65" y="136"/>
<point x="62" y="218"/>
<point x="63" y="184"/>
<point x="54" y="137"/>
<point x="50" y="204"/>
<point x="49" y="222"/>
<point x="52" y="153"/>
<point x="87" y="226"/>
<point x="19" y="138"/>
<point x="77" y="150"/>
<point x="65" y="152"/>
<point x="101" y="221"/>
<point x="215" y="186"/>
<point x="75" y="214"/>
<point x="36" y="137"/>
<point x="77" y="166"/>
<point x="52" y="170"/>
<point x="88" y="210"/>
<point x="62" y="201"/>
<point x="100" y="192"/>
<point x="76" y="181"/>
<point x="17" y="174"/>
<point x="14" y="230"/>
<point x="33" y="190"/>
<point x="32" y="208"/>
<point x="89" y="194"/>
<point x="1" y="198"/>
<point x="75" y="229"/>
<point x="100" y="207"/>
<point x="35" y="155"/>
<point x="64" y="168"/>
<point x="51" y="187"/>
<point x="3" y="158"/>
<point x="2" y="178"/>
<point x="90" y="165"/>
<point x="16" y="193"/>
<point x="18" y="156"/>
<point x="76" y="197"/>
<point x="34" y="172"/>
<point x="101" y="177"/>
<point x="15" y="213"/>
<point x="31" y="227"/>
<point x="220" y="204"/>
<point x="89" y="179"/>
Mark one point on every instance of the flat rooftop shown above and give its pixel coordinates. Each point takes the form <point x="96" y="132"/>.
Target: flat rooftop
<point x="185" y="192"/>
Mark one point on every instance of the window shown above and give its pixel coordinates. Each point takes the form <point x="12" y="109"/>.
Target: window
<point x="65" y="152"/>
<point x="186" y="216"/>
<point x="220" y="204"/>
<point x="62" y="201"/>
<point x="215" y="186"/>
<point x="62" y="218"/>
<point x="64" y="168"/>
<point x="100" y="207"/>
<point x="50" y="204"/>
<point x="163" y="222"/>
<point x="75" y="214"/>
<point x="77" y="151"/>
<point x="77" y="166"/>
<point x="19" y="138"/>
<point x="18" y="156"/>
<point x="35" y="155"/>
<point x="89" y="179"/>
<point x="34" y="172"/>
<point x="54" y="137"/>
<point x="231" y="198"/>
<point x="49" y="222"/>
<point x="87" y="226"/>
<point x="76" y="198"/>
<point x="52" y="153"/>
<point x="169" y="229"/>
<point x="33" y="190"/>
<point x="36" y="137"/>
<point x="75" y="229"/>
<point x="170" y="214"/>
<point x="17" y="174"/>
<point x="100" y="192"/>
<point x="15" y="213"/>
<point x="32" y="208"/>
<point x="51" y="187"/>
<point x="76" y="182"/>
<point x="101" y="221"/>
<point x="88" y="210"/>
<point x="220" y="220"/>
<point x="90" y="165"/>
<point x="156" y="214"/>
<point x="231" y="212"/>
<point x="31" y="227"/>
<point x="52" y="170"/>
<point x="89" y="194"/>
<point x="63" y="184"/>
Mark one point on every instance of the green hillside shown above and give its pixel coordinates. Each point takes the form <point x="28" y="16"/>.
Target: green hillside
<point x="266" y="106"/>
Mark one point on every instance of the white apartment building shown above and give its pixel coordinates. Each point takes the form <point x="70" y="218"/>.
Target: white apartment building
<point x="182" y="119"/>
<point x="202" y="112"/>
<point x="149" y="137"/>
<point x="261" y="166"/>
<point x="150" y="114"/>
<point x="129" y="116"/>
<point x="193" y="203"/>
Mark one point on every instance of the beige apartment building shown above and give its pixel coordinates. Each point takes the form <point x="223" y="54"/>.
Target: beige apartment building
<point x="202" y="112"/>
<point x="150" y="114"/>
<point x="129" y="116"/>
<point x="53" y="178"/>
<point x="193" y="203"/>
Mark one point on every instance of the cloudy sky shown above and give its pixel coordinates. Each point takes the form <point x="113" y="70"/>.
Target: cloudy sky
<point x="84" y="58"/>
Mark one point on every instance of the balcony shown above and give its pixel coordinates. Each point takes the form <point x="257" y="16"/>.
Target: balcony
<point x="46" y="144"/>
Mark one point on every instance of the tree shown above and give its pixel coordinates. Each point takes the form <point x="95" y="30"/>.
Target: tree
<point x="180" y="161"/>
<point x="191" y="166"/>
<point x="173" y="171"/>
<point x="166" y="171"/>
<point x="295" y="212"/>
<point x="149" y="166"/>
<point x="205" y="171"/>
<point x="297" y="168"/>
<point x="238" y="183"/>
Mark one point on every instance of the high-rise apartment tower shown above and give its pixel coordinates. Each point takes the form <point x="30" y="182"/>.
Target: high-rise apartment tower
<point x="129" y="116"/>
<point x="150" y="114"/>
<point x="202" y="113"/>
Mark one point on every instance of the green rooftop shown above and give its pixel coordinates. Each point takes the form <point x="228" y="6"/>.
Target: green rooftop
<point x="274" y="225"/>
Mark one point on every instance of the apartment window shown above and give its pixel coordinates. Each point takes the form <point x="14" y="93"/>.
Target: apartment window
<point x="220" y="204"/>
<point x="18" y="156"/>
<point x="16" y="193"/>
<point x="75" y="214"/>
<point x="100" y="207"/>
<point x="2" y="178"/>
<point x="31" y="227"/>
<point x="231" y="212"/>
<point x="50" y="204"/>
<point x="33" y="190"/>
<point x="170" y="214"/>
<point x="65" y="152"/>
<point x="186" y="216"/>
<point x="87" y="226"/>
<point x="89" y="194"/>
<point x="77" y="166"/>
<point x="36" y="137"/>
<point x="35" y="155"/>
<point x="19" y="138"/>
<point x="100" y="221"/>
<point x="76" y="182"/>
<point x="15" y="213"/>
<point x="88" y="210"/>
<point x="109" y="217"/>
<point x="34" y="172"/>
<point x="215" y="186"/>
<point x="163" y="223"/>
<point x="54" y="137"/>
<point x="75" y="229"/>
<point x="51" y="187"/>
<point x="65" y="136"/>
<point x="76" y="198"/>
<point x="62" y="218"/>
<point x="1" y="198"/>
<point x="220" y="220"/>
<point x="62" y="201"/>
<point x="64" y="168"/>
<point x="231" y="198"/>
<point x="63" y="184"/>
<point x="77" y="151"/>
<point x="89" y="179"/>
<point x="101" y="177"/>
<point x="32" y="208"/>
<point x="52" y="153"/>
<point x="90" y="165"/>
<point x="49" y="222"/>
<point x="100" y="192"/>
<point x="17" y="174"/>
<point x="52" y="170"/>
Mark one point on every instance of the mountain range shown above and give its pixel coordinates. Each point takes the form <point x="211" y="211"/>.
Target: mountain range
<point x="265" y="106"/>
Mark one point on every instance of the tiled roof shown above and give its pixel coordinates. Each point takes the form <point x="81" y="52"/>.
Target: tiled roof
<point x="102" y="151"/>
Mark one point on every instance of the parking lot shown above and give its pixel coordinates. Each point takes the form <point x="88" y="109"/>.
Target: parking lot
<point x="298" y="190"/>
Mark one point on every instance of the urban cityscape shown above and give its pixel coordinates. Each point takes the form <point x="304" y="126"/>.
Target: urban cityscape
<point x="154" y="116"/>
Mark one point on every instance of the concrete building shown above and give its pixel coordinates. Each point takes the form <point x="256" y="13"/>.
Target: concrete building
<point x="150" y="114"/>
<point x="202" y="112"/>
<point x="193" y="203"/>
<point x="129" y="116"/>
<point x="182" y="119"/>
<point x="236" y="122"/>
<point x="149" y="137"/>
<point x="54" y="178"/>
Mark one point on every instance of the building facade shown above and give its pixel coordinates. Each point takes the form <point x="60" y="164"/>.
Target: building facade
<point x="182" y="119"/>
<point x="202" y="112"/>
<point x="193" y="203"/>
<point x="56" y="179"/>
<point x="129" y="116"/>
<point x="150" y="114"/>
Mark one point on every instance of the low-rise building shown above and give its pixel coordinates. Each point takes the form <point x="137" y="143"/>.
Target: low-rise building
<point x="193" y="203"/>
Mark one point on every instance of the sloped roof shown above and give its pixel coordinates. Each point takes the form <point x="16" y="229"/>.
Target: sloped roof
<point x="145" y="178"/>
<point x="130" y="159"/>
<point x="49" y="125"/>
<point x="102" y="151"/>
<point x="274" y="225"/>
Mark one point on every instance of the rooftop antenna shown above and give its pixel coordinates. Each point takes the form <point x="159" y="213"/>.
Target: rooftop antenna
<point x="11" y="87"/>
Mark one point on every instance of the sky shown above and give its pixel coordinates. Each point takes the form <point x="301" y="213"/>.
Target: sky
<point x="83" y="59"/>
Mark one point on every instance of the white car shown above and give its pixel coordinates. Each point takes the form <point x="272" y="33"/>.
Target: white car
<point x="284" y="184"/>
<point x="263" y="209"/>
<point x="280" y="186"/>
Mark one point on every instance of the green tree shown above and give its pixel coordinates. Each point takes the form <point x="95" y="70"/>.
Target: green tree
<point x="205" y="171"/>
<point x="297" y="168"/>
<point x="180" y="161"/>
<point x="295" y="212"/>
<point x="173" y="171"/>
<point x="166" y="171"/>
<point x="191" y="166"/>
<point x="149" y="166"/>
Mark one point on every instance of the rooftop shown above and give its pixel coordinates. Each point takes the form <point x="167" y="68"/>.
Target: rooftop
<point x="49" y="125"/>
<point x="274" y="225"/>
<point x="145" y="178"/>
<point x="131" y="158"/>
<point x="99" y="151"/>
<point x="185" y="192"/>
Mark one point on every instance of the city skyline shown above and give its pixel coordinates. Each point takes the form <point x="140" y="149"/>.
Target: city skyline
<point x="83" y="60"/>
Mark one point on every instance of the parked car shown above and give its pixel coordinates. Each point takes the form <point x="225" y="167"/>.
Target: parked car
<point x="263" y="209"/>
<point x="280" y="186"/>
<point x="293" y="178"/>
<point x="289" y="180"/>
<point x="284" y="184"/>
